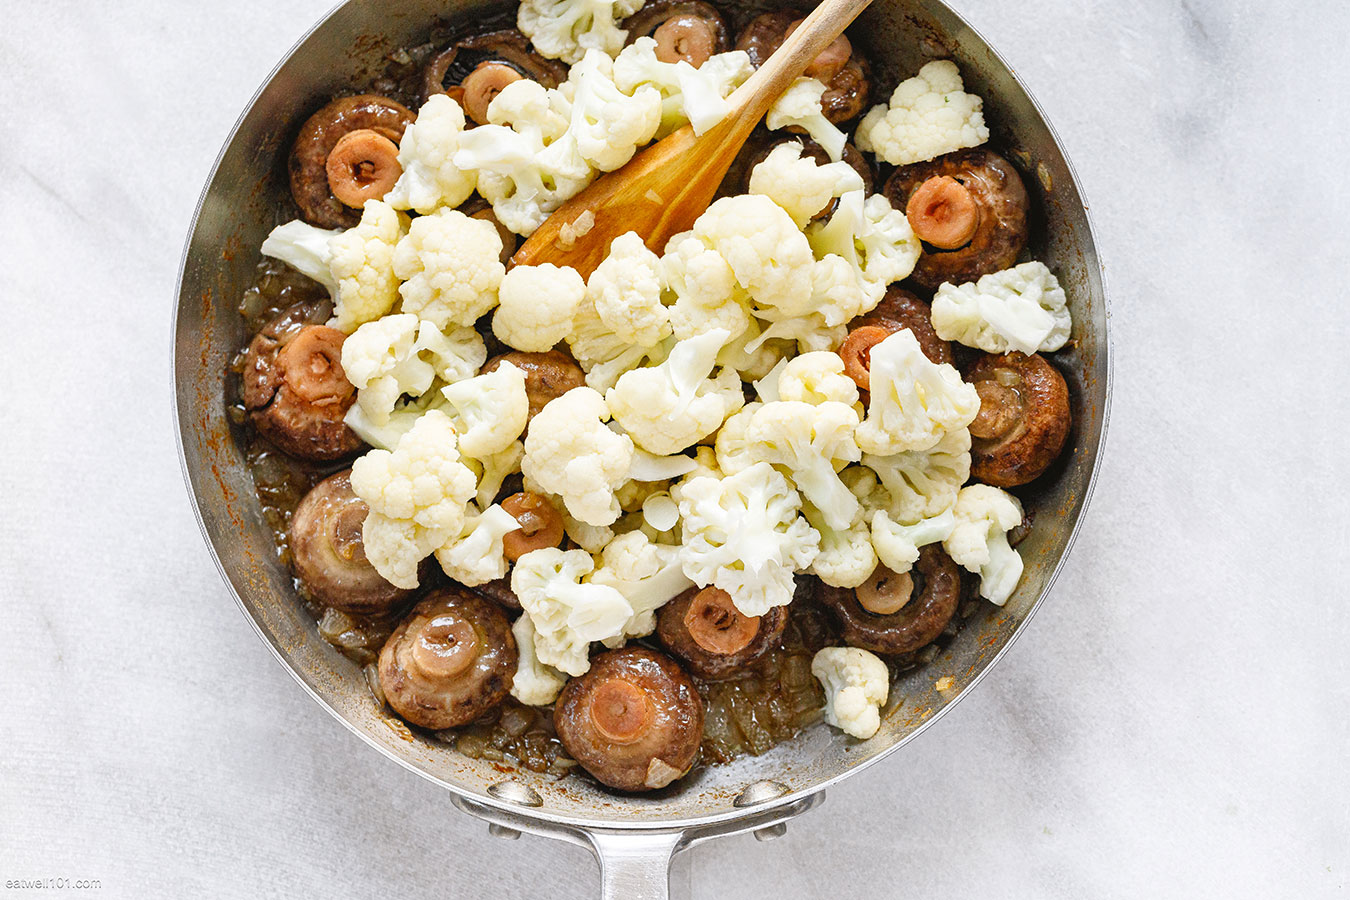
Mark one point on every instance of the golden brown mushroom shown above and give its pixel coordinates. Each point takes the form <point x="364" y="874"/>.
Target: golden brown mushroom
<point x="1023" y="421"/>
<point x="688" y="30"/>
<point x="922" y="602"/>
<point x="711" y="637"/>
<point x="548" y="375"/>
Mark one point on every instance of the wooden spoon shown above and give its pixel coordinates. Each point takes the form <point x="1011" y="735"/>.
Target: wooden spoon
<point x="663" y="189"/>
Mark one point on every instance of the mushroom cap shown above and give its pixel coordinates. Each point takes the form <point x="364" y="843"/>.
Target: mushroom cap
<point x="317" y="138"/>
<point x="327" y="552"/>
<point x="846" y="94"/>
<point x="451" y="660"/>
<point x="294" y="387"/>
<point x="634" y="720"/>
<point x="1002" y="201"/>
<point x="507" y="45"/>
<point x="548" y="375"/>
<point x="901" y="309"/>
<point x="499" y="592"/>
<point x="1024" y="418"/>
<point x="937" y="592"/>
<point x="673" y="632"/>
<point x="652" y="15"/>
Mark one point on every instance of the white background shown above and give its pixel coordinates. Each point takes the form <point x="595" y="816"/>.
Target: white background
<point x="1174" y="722"/>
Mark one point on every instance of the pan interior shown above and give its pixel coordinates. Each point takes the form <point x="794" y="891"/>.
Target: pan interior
<point x="242" y="202"/>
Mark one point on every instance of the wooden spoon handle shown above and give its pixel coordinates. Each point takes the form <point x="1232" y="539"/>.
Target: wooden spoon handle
<point x="816" y="32"/>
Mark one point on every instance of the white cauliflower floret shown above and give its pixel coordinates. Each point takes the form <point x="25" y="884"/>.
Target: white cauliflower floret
<point x="490" y="410"/>
<point x="928" y="115"/>
<point x="865" y="246"/>
<point x="979" y="542"/>
<point x="478" y="555"/>
<point x="399" y="420"/>
<point x="538" y="304"/>
<point x="769" y="255"/>
<point x="856" y="687"/>
<point x="1022" y="308"/>
<point x="809" y="332"/>
<point x="914" y="401"/>
<point x="920" y="484"/>
<point x="570" y="452"/>
<point x="846" y="557"/>
<point x="799" y="105"/>
<point x="567" y="615"/>
<point x="816" y="378"/>
<point x="706" y="293"/>
<point x="417" y="496"/>
<point x="495" y="469"/>
<point x="534" y="683"/>
<point x="400" y="354"/>
<point x="625" y="290"/>
<point x="688" y="94"/>
<point x="602" y="376"/>
<point x="743" y="533"/>
<point x="734" y="452"/>
<point x="897" y="545"/>
<point x="362" y="261"/>
<point x="672" y="406"/>
<point x="647" y="574"/>
<point x="607" y="124"/>
<point x="451" y="265"/>
<point x="754" y="354"/>
<point x="566" y="29"/>
<point x="591" y="538"/>
<point x="430" y="178"/>
<point x="306" y="249"/>
<point x="810" y="442"/>
<point x="799" y="185"/>
<point x="648" y="467"/>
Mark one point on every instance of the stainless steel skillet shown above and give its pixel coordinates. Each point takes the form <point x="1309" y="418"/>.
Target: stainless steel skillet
<point x="633" y="837"/>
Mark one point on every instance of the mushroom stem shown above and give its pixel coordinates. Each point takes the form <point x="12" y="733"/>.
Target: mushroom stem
<point x="830" y="61"/>
<point x="856" y="351"/>
<point x="362" y="166"/>
<point x="540" y="525"/>
<point x="943" y="213"/>
<point x="620" y="710"/>
<point x="685" y="37"/>
<point x="885" y="592"/>
<point x="717" y="625"/>
<point x="1000" y="408"/>
<point x="483" y="84"/>
<point x="446" y="647"/>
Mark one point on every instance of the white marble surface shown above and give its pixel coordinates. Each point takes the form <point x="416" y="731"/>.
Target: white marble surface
<point x="1172" y="724"/>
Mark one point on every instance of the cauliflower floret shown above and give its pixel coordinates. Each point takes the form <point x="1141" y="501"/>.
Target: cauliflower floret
<point x="669" y="407"/>
<point x="865" y="246"/>
<point x="920" y="484"/>
<point x="607" y="124"/>
<point x="743" y="534"/>
<point x="591" y="538"/>
<point x="928" y="115"/>
<point x="688" y="94"/>
<point x="799" y="185"/>
<point x="706" y="293"/>
<point x="534" y="683"/>
<point x="538" y="304"/>
<point x="979" y="542"/>
<point x="1022" y="308"/>
<point x="566" y="29"/>
<point x="647" y="574"/>
<point x="602" y="376"/>
<point x="570" y="452"/>
<point x="490" y="410"/>
<point x="400" y="354"/>
<point x="362" y="261"/>
<point x="769" y="255"/>
<point x="755" y="353"/>
<point x="856" y="687"/>
<point x="477" y="556"/>
<point x="495" y="469"/>
<point x="897" y="545"/>
<point x="734" y="452"/>
<point x="846" y="557"/>
<point x="451" y="266"/>
<point x="810" y="442"/>
<point x="417" y="496"/>
<point x="799" y="105"/>
<point x="815" y="378"/>
<point x="649" y="468"/>
<point x="809" y="332"/>
<point x="567" y="615"/>
<point x="306" y="249"/>
<point x="430" y="178"/>
<point x="914" y="401"/>
<point x="625" y="290"/>
<point x="400" y="420"/>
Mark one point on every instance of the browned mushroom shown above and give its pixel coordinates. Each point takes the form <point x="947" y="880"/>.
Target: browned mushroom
<point x="328" y="554"/>
<point x="483" y="84"/>
<point x="541" y="525"/>
<point x="500" y="593"/>
<point x="711" y="637"/>
<point x="451" y="660"/>
<point x="634" y="720"/>
<point x="453" y="65"/>
<point x="901" y="309"/>
<point x="320" y="136"/>
<point x="362" y="166"/>
<point x="921" y="603"/>
<point x="1023" y="420"/>
<point x="548" y="375"/>
<point x="848" y="86"/>
<point x="856" y="351"/>
<point x="978" y="180"/>
<point x="295" y="389"/>
<point x="688" y="30"/>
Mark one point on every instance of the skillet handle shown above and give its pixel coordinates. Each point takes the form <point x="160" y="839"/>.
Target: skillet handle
<point x="633" y="865"/>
